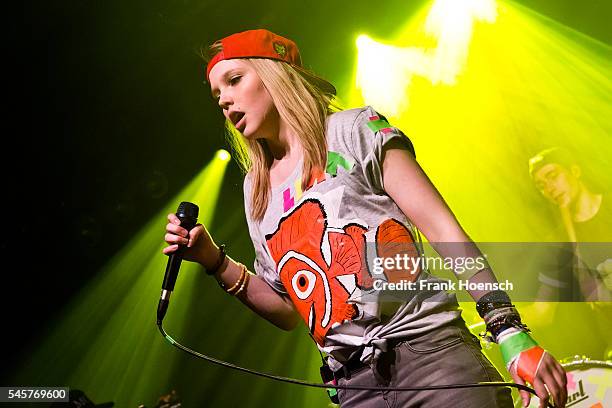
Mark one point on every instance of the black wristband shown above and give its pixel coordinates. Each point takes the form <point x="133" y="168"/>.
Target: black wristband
<point x="220" y="261"/>
<point x="496" y="328"/>
<point x="499" y="314"/>
<point x="492" y="300"/>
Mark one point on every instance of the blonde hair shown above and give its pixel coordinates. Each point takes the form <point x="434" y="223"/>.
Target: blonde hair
<point x="303" y="106"/>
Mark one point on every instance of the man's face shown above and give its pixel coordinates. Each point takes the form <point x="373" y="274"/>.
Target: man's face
<point x="557" y="183"/>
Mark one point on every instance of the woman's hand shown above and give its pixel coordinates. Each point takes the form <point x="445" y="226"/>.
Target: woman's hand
<point x="200" y="246"/>
<point x="549" y="379"/>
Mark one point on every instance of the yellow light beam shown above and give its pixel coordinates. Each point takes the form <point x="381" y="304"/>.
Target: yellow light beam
<point x="384" y="72"/>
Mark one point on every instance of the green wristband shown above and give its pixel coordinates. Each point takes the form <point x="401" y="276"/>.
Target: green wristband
<point x="514" y="345"/>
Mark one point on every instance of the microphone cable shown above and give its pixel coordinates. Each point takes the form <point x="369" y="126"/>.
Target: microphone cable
<point x="336" y="386"/>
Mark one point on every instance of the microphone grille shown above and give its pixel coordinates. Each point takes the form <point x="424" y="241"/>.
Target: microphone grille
<point x="187" y="210"/>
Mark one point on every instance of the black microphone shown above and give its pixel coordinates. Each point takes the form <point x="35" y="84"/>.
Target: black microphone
<point x="188" y="214"/>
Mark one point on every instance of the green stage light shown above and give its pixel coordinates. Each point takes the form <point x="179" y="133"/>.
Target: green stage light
<point x="106" y="343"/>
<point x="223" y="155"/>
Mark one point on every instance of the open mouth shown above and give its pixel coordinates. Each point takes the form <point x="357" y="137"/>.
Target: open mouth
<point x="240" y="124"/>
<point x="237" y="119"/>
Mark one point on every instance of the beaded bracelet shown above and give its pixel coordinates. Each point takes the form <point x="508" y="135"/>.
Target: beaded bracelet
<point x="244" y="284"/>
<point x="238" y="282"/>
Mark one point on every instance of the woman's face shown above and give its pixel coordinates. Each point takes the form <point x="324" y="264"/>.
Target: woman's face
<point x="557" y="183"/>
<point x="244" y="99"/>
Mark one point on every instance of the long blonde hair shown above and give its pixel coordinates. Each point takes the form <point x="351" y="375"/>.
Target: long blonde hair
<point x="303" y="106"/>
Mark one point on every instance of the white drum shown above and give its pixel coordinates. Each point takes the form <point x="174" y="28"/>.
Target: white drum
<point x="589" y="383"/>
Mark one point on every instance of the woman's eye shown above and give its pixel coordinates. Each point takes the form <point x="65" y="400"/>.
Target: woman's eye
<point x="235" y="80"/>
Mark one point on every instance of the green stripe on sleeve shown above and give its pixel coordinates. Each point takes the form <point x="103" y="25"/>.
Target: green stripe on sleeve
<point x="376" y="125"/>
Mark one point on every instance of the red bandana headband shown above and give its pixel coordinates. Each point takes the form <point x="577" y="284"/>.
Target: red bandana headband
<point x="257" y="44"/>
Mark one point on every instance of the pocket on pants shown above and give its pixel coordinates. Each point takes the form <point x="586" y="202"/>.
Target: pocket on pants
<point x="436" y="340"/>
<point x="359" y="398"/>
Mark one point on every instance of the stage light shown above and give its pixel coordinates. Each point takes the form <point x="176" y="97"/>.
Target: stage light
<point x="385" y="71"/>
<point x="506" y="84"/>
<point x="114" y="346"/>
<point x="223" y="155"/>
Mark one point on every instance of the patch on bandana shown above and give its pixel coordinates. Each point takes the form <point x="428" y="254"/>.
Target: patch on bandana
<point x="280" y="49"/>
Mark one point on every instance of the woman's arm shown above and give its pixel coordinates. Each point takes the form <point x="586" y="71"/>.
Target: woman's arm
<point x="408" y="185"/>
<point x="260" y="297"/>
<point x="257" y="295"/>
<point x="410" y="188"/>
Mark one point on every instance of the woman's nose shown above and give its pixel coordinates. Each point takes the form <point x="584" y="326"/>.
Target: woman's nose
<point x="224" y="100"/>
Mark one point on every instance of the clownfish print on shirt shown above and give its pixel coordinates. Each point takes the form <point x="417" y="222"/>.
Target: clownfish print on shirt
<point x="321" y="259"/>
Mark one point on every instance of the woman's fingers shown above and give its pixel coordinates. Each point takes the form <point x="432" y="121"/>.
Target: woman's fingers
<point x="525" y="396"/>
<point x="554" y="389"/>
<point x="194" y="234"/>
<point x="176" y="229"/>
<point x="561" y="380"/>
<point x="174" y="219"/>
<point x="175" y="239"/>
<point x="554" y="378"/>
<point x="170" y="249"/>
<point x="549" y="383"/>
<point x="541" y="392"/>
<point x="558" y="383"/>
<point x="177" y="236"/>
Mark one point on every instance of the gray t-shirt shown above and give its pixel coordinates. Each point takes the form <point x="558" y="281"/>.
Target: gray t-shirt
<point x="316" y="245"/>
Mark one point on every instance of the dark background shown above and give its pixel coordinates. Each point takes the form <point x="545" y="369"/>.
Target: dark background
<point x="106" y="117"/>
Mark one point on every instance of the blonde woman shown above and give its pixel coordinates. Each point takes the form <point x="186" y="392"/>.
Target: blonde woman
<point x="326" y="192"/>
